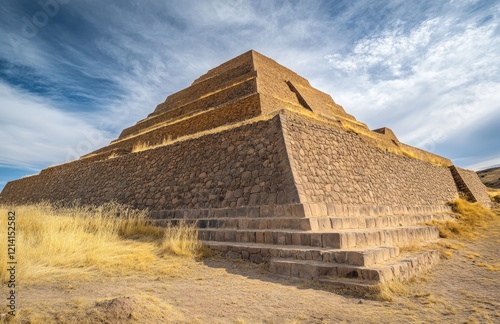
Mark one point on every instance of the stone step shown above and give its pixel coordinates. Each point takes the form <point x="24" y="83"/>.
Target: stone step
<point x="338" y="239"/>
<point x="326" y="223"/>
<point x="315" y="223"/>
<point x="260" y="252"/>
<point x="241" y="223"/>
<point x="401" y="269"/>
<point x="300" y="211"/>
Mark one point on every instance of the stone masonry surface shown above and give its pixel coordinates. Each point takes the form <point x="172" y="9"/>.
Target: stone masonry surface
<point x="335" y="166"/>
<point x="295" y="157"/>
<point x="245" y="108"/>
<point x="239" y="167"/>
<point x="469" y="184"/>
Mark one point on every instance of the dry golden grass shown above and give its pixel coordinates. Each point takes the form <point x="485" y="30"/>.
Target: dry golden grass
<point x="141" y="146"/>
<point x="358" y="129"/>
<point x="389" y="291"/>
<point x="412" y="153"/>
<point x="138" y="147"/>
<point x="470" y="217"/>
<point x="181" y="240"/>
<point x="494" y="194"/>
<point x="412" y="248"/>
<point x="489" y="266"/>
<point x="64" y="243"/>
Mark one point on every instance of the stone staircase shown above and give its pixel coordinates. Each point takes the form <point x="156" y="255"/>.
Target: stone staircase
<point x="353" y="252"/>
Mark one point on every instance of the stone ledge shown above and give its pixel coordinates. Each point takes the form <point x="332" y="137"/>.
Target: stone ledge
<point x="400" y="269"/>
<point x="336" y="239"/>
<point x="298" y="211"/>
<point x="359" y="257"/>
<point x="338" y="210"/>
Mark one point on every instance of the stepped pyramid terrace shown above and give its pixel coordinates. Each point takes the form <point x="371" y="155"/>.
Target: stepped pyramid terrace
<point x="271" y="170"/>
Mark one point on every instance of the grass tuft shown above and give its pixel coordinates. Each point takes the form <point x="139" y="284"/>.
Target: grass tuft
<point x="469" y="218"/>
<point x="140" y="146"/>
<point x="182" y="240"/>
<point x="389" y="291"/>
<point x="494" y="194"/>
<point x="62" y="243"/>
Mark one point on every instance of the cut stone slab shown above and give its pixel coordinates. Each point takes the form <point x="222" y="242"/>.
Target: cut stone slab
<point x="401" y="269"/>
<point x="361" y="257"/>
<point x="328" y="239"/>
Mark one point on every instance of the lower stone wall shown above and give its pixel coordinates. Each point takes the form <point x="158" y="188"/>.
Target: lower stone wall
<point x="245" y="166"/>
<point x="286" y="160"/>
<point x="338" y="167"/>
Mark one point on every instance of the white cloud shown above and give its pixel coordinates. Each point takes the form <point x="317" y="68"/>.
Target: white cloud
<point x="35" y="134"/>
<point x="392" y="49"/>
<point x="489" y="162"/>
<point x="452" y="83"/>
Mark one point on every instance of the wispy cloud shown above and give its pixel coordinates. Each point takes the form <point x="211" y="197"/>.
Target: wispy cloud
<point x="393" y="50"/>
<point x="492" y="162"/>
<point x="35" y="134"/>
<point x="427" y="69"/>
<point x="437" y="80"/>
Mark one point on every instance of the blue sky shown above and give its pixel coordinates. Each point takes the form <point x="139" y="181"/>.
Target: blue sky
<point x="73" y="74"/>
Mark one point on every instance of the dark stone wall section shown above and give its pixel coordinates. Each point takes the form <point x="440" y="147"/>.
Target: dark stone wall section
<point x="245" y="166"/>
<point x="338" y="167"/>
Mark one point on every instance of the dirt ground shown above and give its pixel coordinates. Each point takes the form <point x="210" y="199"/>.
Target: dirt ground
<point x="462" y="289"/>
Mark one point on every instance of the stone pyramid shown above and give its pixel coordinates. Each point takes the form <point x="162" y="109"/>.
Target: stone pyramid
<point x="272" y="170"/>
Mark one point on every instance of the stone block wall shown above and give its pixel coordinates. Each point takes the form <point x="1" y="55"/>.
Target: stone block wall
<point x="221" y="77"/>
<point x="239" y="89"/>
<point x="224" y="80"/>
<point x="232" y="112"/>
<point x="244" y="166"/>
<point x="272" y="81"/>
<point x="322" y="103"/>
<point x="239" y="64"/>
<point x="470" y="186"/>
<point x="338" y="167"/>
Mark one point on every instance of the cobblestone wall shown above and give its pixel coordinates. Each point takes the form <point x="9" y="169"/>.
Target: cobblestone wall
<point x="469" y="185"/>
<point x="285" y="160"/>
<point x="272" y="81"/>
<point x="231" y="112"/>
<point x="245" y="166"/>
<point x="240" y="88"/>
<point x="335" y="166"/>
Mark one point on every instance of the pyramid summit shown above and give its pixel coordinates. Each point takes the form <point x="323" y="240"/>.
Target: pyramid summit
<point x="271" y="170"/>
<point x="246" y="87"/>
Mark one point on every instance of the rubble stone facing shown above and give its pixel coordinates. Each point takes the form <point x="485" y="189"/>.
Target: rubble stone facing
<point x="241" y="87"/>
<point x="246" y="166"/>
<point x="335" y="166"/>
<point x="470" y="186"/>
<point x="268" y="72"/>
<point x="232" y="112"/>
